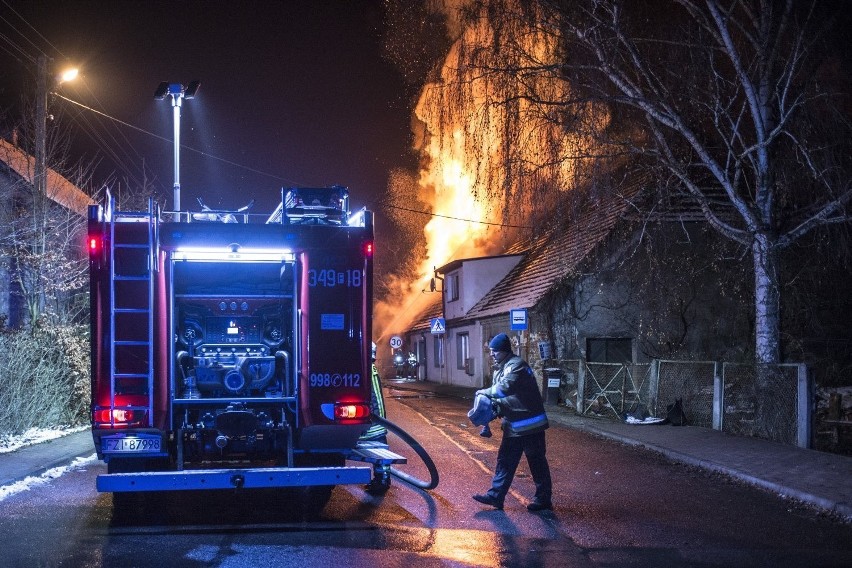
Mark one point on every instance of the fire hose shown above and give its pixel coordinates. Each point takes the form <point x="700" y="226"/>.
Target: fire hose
<point x="418" y="449"/>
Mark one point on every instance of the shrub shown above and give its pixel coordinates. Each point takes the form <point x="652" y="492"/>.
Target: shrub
<point x="45" y="378"/>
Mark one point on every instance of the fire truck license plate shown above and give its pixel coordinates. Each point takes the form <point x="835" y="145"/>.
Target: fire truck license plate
<point x="131" y="444"/>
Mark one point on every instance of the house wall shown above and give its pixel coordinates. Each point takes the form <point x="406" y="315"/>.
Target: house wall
<point x="475" y="278"/>
<point x="670" y="292"/>
<point x="11" y="309"/>
<point x="676" y="291"/>
<point x="453" y="371"/>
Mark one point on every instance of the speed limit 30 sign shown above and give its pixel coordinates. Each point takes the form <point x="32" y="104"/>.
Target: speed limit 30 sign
<point x="396" y="342"/>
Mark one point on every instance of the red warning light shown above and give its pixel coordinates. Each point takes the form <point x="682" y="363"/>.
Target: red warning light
<point x="368" y="249"/>
<point x="352" y="411"/>
<point x="94" y="244"/>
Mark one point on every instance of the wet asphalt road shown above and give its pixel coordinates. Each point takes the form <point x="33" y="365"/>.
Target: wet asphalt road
<point x="615" y="506"/>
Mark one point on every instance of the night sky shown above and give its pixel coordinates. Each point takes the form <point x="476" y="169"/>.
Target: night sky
<point x="292" y="93"/>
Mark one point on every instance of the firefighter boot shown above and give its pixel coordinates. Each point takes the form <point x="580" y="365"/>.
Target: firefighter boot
<point x="380" y="482"/>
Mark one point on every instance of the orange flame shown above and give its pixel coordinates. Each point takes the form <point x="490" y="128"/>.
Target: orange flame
<point x="473" y="160"/>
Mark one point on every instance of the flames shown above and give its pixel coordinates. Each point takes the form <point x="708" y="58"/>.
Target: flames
<point x="490" y="155"/>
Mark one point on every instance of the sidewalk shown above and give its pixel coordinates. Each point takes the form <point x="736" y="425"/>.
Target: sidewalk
<point x="817" y="478"/>
<point x="38" y="458"/>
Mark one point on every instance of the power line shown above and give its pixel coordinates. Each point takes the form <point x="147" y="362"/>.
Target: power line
<point x="199" y="152"/>
<point x="277" y="177"/>
<point x="508" y="226"/>
<point x="47" y="41"/>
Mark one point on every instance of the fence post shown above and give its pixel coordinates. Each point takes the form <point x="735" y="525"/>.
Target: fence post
<point x="581" y="386"/>
<point x="654" y="387"/>
<point x="803" y="410"/>
<point x="718" y="397"/>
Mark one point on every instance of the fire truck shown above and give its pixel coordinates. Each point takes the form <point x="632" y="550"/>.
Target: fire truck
<point x="233" y="350"/>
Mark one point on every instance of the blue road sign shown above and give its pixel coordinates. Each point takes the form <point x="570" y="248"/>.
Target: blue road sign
<point x="438" y="327"/>
<point x="518" y="319"/>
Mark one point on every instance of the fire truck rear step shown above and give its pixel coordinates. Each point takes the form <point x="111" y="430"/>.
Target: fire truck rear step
<point x="375" y="453"/>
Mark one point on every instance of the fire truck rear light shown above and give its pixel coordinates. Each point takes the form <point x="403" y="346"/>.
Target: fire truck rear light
<point x="368" y="249"/>
<point x="94" y="244"/>
<point x="351" y="411"/>
<point x="119" y="417"/>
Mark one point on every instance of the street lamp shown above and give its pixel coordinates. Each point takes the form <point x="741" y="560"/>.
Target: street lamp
<point x="177" y="93"/>
<point x="68" y="75"/>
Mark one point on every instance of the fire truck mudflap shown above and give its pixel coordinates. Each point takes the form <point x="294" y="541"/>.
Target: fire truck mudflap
<point x="229" y="352"/>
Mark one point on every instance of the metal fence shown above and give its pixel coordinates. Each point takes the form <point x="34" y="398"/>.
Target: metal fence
<point x="691" y="382"/>
<point x="761" y="400"/>
<point x="766" y="401"/>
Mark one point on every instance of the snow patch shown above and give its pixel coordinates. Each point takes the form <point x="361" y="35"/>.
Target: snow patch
<point x="33" y="481"/>
<point x="10" y="443"/>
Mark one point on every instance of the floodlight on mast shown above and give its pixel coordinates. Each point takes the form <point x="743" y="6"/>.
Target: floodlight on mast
<point x="176" y="92"/>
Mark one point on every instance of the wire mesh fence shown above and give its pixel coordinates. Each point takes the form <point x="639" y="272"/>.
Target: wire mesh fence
<point x="761" y="401"/>
<point x="691" y="382"/>
<point x="746" y="400"/>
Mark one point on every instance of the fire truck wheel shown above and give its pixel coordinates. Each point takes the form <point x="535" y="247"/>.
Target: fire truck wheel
<point x="136" y="465"/>
<point x="316" y="497"/>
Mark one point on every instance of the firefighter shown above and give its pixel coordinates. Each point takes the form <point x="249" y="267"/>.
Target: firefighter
<point x="518" y="402"/>
<point x="377" y="433"/>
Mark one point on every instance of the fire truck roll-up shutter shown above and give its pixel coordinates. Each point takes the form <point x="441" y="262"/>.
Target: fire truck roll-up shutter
<point x="335" y="380"/>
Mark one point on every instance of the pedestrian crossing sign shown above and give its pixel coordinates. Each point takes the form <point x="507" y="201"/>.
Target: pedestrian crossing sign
<point x="438" y="327"/>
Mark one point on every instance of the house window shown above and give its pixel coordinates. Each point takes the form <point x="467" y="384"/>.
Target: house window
<point x="452" y="287"/>
<point x="609" y="350"/>
<point x="462" y="350"/>
<point x="439" y="351"/>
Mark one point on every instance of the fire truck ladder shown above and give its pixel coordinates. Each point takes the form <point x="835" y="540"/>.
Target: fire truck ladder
<point x="132" y="263"/>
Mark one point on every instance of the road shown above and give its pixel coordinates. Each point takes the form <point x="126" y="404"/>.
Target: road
<point x="615" y="506"/>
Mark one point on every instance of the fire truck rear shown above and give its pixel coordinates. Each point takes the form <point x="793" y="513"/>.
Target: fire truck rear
<point x="232" y="351"/>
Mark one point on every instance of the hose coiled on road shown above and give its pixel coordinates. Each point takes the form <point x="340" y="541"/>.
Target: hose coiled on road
<point x="418" y="449"/>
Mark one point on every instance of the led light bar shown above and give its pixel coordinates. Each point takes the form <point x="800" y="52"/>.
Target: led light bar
<point x="240" y="255"/>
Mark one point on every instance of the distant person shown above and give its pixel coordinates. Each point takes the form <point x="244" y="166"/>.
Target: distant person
<point x="518" y="402"/>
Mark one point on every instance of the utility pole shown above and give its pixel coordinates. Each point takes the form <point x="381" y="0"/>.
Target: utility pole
<point x="40" y="173"/>
<point x="30" y="277"/>
<point x="40" y="168"/>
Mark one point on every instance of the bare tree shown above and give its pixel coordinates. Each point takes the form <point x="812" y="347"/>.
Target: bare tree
<point x="737" y="107"/>
<point x="43" y="233"/>
<point x="732" y="102"/>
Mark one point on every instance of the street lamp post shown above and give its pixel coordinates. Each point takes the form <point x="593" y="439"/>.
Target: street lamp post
<point x="40" y="172"/>
<point x="31" y="275"/>
<point x="176" y="92"/>
<point x="42" y="92"/>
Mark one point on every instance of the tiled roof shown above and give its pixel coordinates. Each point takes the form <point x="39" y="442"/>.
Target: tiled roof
<point x="548" y="258"/>
<point x="434" y="309"/>
<point x="59" y="189"/>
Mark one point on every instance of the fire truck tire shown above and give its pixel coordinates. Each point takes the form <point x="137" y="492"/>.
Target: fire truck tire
<point x="317" y="496"/>
<point x="136" y="465"/>
<point x="419" y="450"/>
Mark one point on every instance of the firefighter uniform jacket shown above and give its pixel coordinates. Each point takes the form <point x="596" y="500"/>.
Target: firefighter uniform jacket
<point x="376" y="432"/>
<point x="518" y="399"/>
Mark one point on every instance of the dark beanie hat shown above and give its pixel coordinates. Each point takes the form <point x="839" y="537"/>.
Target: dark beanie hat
<point x="501" y="343"/>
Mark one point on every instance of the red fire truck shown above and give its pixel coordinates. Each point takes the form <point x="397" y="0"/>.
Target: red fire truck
<point x="232" y="350"/>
